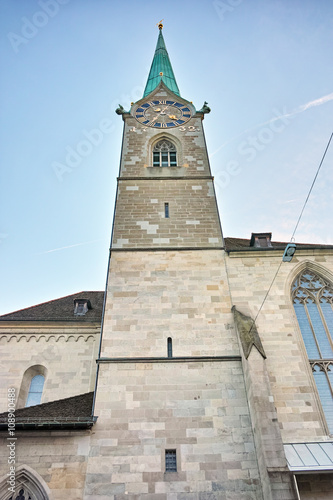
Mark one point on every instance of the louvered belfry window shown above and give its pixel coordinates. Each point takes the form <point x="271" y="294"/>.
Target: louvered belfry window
<point x="164" y="154"/>
<point x="313" y="303"/>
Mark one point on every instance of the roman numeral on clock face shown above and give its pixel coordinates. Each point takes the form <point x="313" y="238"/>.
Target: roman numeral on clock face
<point x="162" y="114"/>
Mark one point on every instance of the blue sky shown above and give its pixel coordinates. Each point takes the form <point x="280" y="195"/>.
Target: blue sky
<point x="265" y="68"/>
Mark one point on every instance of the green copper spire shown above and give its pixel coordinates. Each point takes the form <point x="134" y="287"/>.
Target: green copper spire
<point x="161" y="68"/>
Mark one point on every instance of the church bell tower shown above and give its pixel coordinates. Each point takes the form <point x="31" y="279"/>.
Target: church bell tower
<point x="172" y="411"/>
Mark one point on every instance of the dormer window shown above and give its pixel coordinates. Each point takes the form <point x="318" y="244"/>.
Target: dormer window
<point x="81" y="306"/>
<point x="261" y="240"/>
<point x="164" y="154"/>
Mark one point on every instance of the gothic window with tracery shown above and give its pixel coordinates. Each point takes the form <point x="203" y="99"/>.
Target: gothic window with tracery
<point x="21" y="496"/>
<point x="164" y="154"/>
<point x="313" y="303"/>
<point x="23" y="484"/>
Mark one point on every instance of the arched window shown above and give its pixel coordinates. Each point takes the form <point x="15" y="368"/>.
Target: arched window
<point x="35" y="390"/>
<point x="313" y="299"/>
<point x="32" y="386"/>
<point x="164" y="154"/>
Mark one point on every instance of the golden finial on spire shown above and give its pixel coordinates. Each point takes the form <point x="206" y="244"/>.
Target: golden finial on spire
<point x="160" y="25"/>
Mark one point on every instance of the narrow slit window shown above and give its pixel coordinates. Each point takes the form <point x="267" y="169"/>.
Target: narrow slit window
<point x="170" y="461"/>
<point x="169" y="347"/>
<point x="35" y="391"/>
<point x="166" y="210"/>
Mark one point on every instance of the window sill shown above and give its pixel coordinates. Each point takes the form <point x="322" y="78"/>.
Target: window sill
<point x="165" y="171"/>
<point x="171" y="476"/>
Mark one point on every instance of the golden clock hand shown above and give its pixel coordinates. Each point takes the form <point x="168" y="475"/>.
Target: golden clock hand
<point x="159" y="114"/>
<point x="163" y="110"/>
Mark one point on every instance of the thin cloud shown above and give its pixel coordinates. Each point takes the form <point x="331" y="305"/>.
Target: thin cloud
<point x="69" y="246"/>
<point x="316" y="102"/>
<point x="296" y="111"/>
<point x="289" y="201"/>
<point x="303" y="107"/>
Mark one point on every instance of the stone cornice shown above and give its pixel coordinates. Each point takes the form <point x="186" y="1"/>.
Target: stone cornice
<point x="24" y="324"/>
<point x="167" y="178"/>
<point x="164" y="249"/>
<point x="179" y="359"/>
<point x="258" y="252"/>
<point x="50" y="336"/>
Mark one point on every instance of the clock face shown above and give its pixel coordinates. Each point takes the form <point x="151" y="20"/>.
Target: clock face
<point x="162" y="114"/>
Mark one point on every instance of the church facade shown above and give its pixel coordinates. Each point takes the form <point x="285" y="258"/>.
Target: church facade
<point x="178" y="382"/>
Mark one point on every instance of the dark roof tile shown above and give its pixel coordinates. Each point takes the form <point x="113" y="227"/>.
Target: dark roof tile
<point x="61" y="310"/>
<point x="69" y="408"/>
<point x="237" y="244"/>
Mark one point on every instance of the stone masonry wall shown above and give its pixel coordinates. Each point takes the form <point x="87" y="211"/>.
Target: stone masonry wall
<point x="59" y="457"/>
<point x="189" y="140"/>
<point x="143" y="190"/>
<point x="140" y="220"/>
<point x="67" y="353"/>
<point x="179" y="294"/>
<point x="295" y="397"/>
<point x="197" y="408"/>
<point x="315" y="486"/>
<point x="275" y="477"/>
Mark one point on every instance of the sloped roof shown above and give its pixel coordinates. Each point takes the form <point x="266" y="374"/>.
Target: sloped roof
<point x="61" y="310"/>
<point x="309" y="457"/>
<point x="237" y="244"/>
<point x="161" y="64"/>
<point x="74" y="411"/>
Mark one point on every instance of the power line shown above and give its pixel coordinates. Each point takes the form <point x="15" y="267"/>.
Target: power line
<point x="263" y="302"/>
<point x="299" y="218"/>
<point x="313" y="183"/>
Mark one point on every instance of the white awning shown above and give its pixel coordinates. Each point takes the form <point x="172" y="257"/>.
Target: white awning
<point x="309" y="457"/>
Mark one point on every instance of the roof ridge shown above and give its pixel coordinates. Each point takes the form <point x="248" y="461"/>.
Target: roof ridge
<point x="232" y="243"/>
<point x="278" y="241"/>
